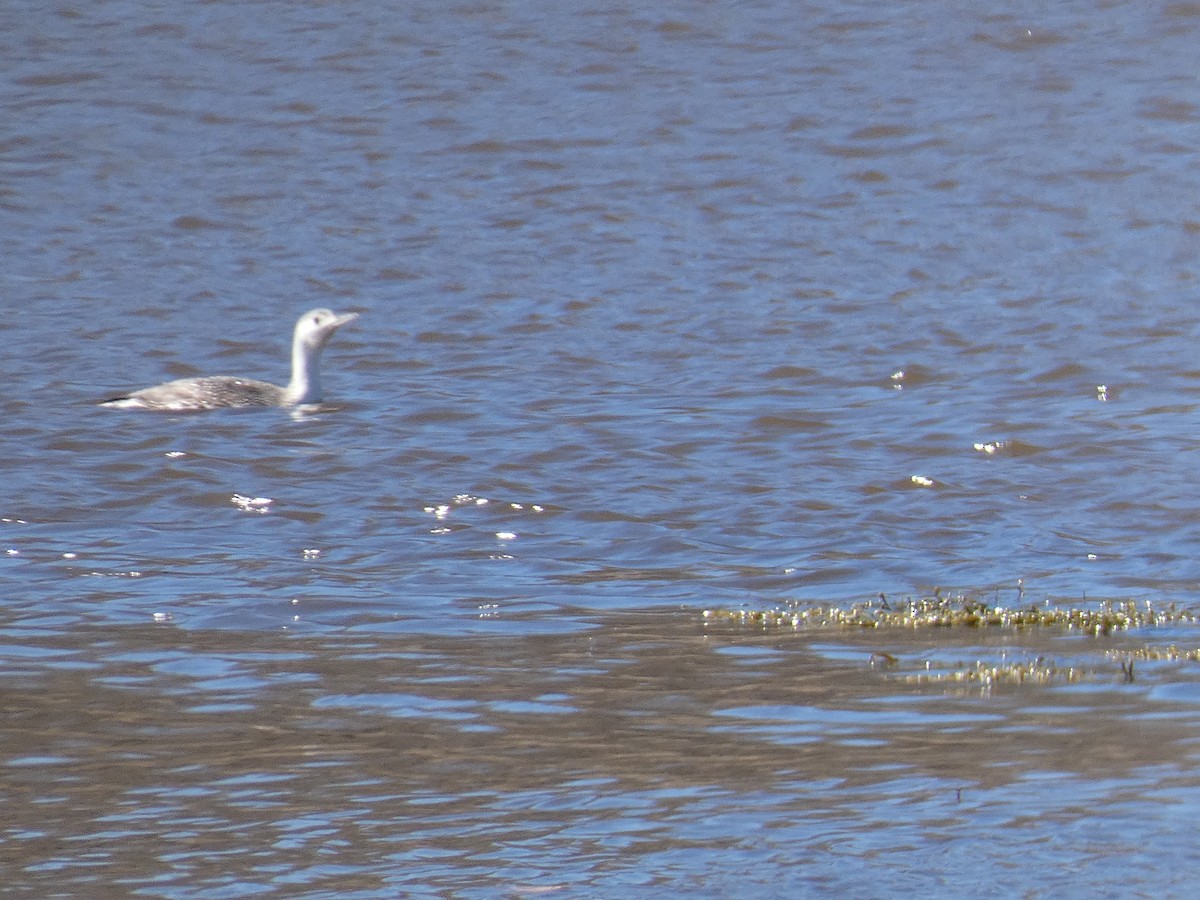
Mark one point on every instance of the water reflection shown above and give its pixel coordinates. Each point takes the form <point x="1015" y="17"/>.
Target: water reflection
<point x="173" y="761"/>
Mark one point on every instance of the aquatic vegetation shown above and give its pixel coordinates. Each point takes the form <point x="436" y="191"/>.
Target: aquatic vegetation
<point x="961" y="612"/>
<point x="966" y="614"/>
<point x="984" y="674"/>
<point x="1154" y="654"/>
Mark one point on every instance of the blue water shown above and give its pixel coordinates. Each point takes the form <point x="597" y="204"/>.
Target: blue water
<point x="661" y="310"/>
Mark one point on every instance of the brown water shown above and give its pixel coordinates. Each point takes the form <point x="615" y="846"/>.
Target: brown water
<point x="638" y="752"/>
<point x="704" y="305"/>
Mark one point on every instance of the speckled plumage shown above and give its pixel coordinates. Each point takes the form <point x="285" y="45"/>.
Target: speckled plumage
<point x="313" y="331"/>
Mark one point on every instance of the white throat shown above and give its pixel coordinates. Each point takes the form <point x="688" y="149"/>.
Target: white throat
<point x="305" y="386"/>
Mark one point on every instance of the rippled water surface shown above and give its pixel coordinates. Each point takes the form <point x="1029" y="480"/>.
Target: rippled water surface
<point x="662" y="309"/>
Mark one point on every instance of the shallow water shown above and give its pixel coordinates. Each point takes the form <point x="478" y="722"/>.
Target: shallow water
<point x="637" y="752"/>
<point x="661" y="310"/>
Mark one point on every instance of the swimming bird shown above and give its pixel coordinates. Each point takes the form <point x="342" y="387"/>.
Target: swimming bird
<point x="313" y="331"/>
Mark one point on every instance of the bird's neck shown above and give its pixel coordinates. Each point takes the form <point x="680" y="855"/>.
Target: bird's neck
<point x="305" y="386"/>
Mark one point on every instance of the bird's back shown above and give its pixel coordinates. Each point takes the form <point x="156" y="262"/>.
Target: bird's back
<point x="213" y="392"/>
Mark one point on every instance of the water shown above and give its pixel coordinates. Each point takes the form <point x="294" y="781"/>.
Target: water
<point x="704" y="305"/>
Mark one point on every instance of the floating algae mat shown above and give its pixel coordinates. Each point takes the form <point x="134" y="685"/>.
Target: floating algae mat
<point x="937" y="626"/>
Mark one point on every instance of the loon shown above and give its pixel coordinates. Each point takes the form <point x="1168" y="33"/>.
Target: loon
<point x="313" y="331"/>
